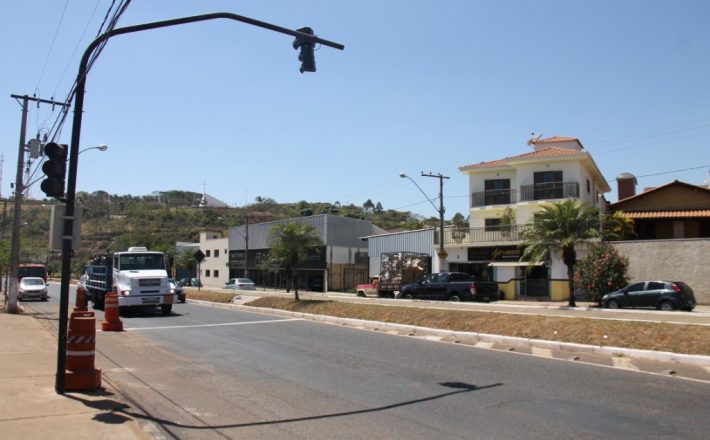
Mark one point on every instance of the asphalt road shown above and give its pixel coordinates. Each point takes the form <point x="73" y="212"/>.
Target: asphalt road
<point x="207" y="372"/>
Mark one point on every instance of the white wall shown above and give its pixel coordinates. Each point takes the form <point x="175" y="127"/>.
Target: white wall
<point x="212" y="263"/>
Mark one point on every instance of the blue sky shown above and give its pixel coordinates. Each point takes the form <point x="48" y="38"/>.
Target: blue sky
<point x="421" y="86"/>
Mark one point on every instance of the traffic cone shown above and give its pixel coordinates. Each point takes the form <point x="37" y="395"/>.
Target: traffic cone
<point x="80" y="373"/>
<point x="82" y="304"/>
<point x="111" y="322"/>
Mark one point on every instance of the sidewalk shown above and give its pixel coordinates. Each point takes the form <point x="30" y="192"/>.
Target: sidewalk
<point x="29" y="406"/>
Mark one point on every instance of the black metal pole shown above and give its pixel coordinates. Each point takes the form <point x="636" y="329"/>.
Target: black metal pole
<point x="74" y="153"/>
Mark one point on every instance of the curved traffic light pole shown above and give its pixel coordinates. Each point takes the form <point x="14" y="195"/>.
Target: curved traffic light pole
<point x="74" y="151"/>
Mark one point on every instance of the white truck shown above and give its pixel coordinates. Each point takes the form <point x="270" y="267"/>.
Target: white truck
<point x="138" y="276"/>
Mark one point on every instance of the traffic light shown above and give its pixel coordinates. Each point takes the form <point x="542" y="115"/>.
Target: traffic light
<point x="55" y="168"/>
<point x="306" y="57"/>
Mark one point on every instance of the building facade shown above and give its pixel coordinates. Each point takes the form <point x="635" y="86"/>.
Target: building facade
<point x="213" y="269"/>
<point x="340" y="264"/>
<point x="505" y="195"/>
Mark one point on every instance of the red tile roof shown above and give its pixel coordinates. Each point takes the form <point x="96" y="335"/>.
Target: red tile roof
<point x="545" y="152"/>
<point x="695" y="213"/>
<point x="555" y="139"/>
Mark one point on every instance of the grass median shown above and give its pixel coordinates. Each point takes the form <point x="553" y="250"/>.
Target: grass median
<point x="677" y="338"/>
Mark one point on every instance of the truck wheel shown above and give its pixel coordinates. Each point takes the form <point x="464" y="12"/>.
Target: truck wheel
<point x="166" y="309"/>
<point x="407" y="295"/>
<point x="361" y="294"/>
<point x="98" y="301"/>
<point x="454" y="297"/>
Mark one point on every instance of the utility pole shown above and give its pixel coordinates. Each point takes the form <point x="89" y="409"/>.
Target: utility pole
<point x="19" y="190"/>
<point x="246" y="246"/>
<point x="443" y="264"/>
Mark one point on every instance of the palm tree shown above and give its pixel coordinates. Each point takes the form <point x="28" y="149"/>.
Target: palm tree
<point x="556" y="230"/>
<point x="290" y="244"/>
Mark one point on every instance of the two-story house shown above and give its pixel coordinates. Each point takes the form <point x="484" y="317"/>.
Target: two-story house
<point x="505" y="195"/>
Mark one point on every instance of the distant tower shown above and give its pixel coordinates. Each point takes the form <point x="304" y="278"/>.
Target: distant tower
<point x="203" y="200"/>
<point x="2" y="165"/>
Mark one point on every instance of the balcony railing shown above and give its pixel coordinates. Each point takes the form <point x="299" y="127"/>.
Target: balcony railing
<point x="488" y="234"/>
<point x="540" y="191"/>
<point x="494" y="197"/>
<point x="551" y="190"/>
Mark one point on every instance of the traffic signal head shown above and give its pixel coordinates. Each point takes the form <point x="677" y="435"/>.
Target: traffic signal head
<point x="306" y="57"/>
<point x="55" y="168"/>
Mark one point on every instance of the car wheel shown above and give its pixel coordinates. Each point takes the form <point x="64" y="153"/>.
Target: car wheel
<point x="666" y="306"/>
<point x="361" y="294"/>
<point x="407" y="296"/>
<point x="613" y="304"/>
<point x="454" y="298"/>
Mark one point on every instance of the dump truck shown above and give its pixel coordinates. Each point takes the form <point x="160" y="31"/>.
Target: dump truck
<point x="399" y="268"/>
<point x="138" y="276"/>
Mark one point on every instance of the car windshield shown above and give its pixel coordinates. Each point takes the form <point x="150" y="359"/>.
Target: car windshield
<point x="141" y="262"/>
<point x="244" y="281"/>
<point x="33" y="281"/>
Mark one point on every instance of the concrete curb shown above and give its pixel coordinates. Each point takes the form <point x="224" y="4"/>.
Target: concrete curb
<point x="484" y="337"/>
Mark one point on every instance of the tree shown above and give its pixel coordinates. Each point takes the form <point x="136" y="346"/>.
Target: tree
<point x="368" y="205"/>
<point x="618" y="226"/>
<point x="290" y="244"/>
<point x="601" y="272"/>
<point x="556" y="230"/>
<point x="460" y="228"/>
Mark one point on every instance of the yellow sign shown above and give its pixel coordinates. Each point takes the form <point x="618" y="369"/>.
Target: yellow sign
<point x="443" y="254"/>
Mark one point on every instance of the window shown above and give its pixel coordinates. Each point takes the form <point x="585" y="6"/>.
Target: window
<point x="589" y="187"/>
<point x="207" y="253"/>
<point x="216" y="274"/>
<point x="497" y="192"/>
<point x="635" y="287"/>
<point x="493" y="224"/>
<point x="216" y="253"/>
<point x="548" y="185"/>
<point x="207" y="272"/>
<point x="655" y="285"/>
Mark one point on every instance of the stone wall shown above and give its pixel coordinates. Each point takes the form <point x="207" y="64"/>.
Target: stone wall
<point x="686" y="260"/>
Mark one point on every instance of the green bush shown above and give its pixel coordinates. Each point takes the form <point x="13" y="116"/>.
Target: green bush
<point x="601" y="272"/>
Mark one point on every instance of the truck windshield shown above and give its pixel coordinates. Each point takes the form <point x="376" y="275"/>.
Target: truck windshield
<point x="141" y="262"/>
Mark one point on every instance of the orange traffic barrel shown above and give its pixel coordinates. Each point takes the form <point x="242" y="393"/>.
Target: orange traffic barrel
<point x="111" y="322"/>
<point x="82" y="303"/>
<point x="80" y="372"/>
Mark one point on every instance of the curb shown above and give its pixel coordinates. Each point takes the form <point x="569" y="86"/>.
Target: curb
<point x="484" y="337"/>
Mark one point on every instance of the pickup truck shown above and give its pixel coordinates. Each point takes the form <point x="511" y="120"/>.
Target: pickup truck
<point x="451" y="286"/>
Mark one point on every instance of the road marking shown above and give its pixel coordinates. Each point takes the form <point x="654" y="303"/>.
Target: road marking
<point x="169" y="327"/>
<point x="540" y="351"/>
<point x="707" y="369"/>
<point x="481" y="344"/>
<point x="622" y="362"/>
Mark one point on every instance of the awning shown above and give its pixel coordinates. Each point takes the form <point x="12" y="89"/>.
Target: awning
<point x="514" y="263"/>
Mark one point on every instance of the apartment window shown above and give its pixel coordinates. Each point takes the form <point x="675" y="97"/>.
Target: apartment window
<point x="207" y="273"/>
<point x="548" y="185"/>
<point x="493" y="224"/>
<point x="216" y="274"/>
<point x="497" y="192"/>
<point x="207" y="253"/>
<point x="216" y="253"/>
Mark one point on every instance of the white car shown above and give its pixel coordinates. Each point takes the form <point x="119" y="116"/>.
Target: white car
<point x="32" y="288"/>
<point x="240" y="284"/>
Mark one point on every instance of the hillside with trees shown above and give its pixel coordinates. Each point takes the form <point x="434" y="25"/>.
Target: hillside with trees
<point x="158" y="221"/>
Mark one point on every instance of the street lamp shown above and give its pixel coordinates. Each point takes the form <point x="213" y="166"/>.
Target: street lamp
<point x="442" y="252"/>
<point x="100" y="147"/>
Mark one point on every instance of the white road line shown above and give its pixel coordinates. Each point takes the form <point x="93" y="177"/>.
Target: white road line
<point x="543" y="352"/>
<point x="481" y="344"/>
<point x="622" y="362"/>
<point x="212" y="325"/>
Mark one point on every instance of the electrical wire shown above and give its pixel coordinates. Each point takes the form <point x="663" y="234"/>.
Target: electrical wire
<point x="51" y="46"/>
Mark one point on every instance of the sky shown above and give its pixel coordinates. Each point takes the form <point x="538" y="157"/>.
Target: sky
<point x="422" y="86"/>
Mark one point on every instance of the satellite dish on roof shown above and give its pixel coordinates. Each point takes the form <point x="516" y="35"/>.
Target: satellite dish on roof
<point x="534" y="138"/>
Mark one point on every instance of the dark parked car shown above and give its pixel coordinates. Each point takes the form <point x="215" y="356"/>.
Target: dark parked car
<point x="176" y="288"/>
<point x="662" y="295"/>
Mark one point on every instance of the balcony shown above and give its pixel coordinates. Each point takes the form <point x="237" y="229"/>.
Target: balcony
<point x="547" y="191"/>
<point x="494" y="197"/>
<point x="491" y="234"/>
<point x="539" y="191"/>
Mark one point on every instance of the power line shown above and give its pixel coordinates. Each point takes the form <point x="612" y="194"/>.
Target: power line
<point x="51" y="46"/>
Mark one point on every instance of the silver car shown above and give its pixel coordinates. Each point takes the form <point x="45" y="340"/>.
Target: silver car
<point x="240" y="284"/>
<point x="32" y="288"/>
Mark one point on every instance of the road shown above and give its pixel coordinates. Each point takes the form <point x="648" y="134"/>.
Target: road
<point x="216" y="373"/>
